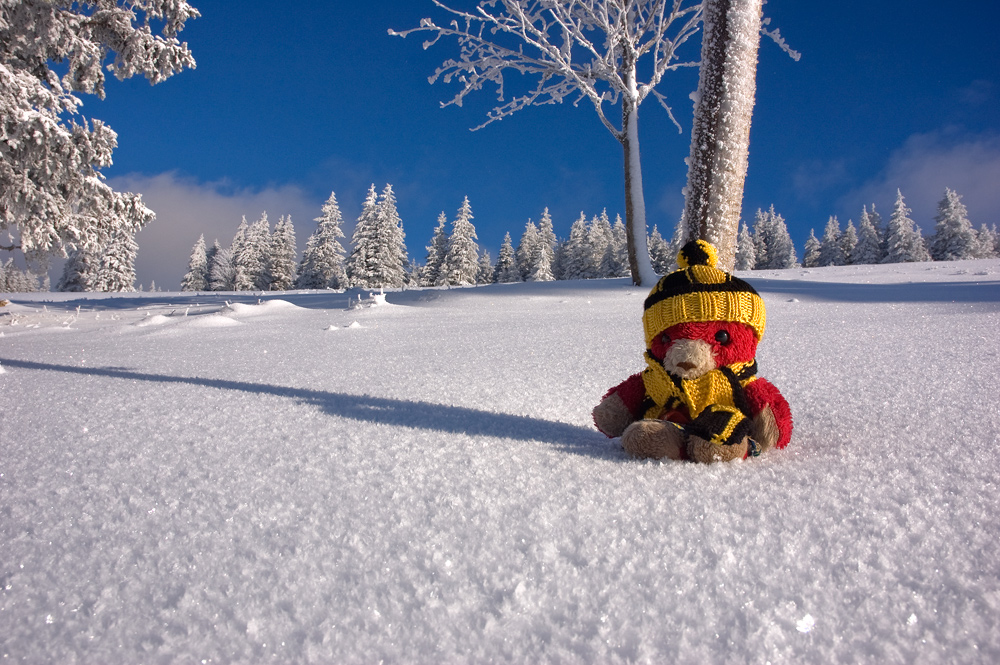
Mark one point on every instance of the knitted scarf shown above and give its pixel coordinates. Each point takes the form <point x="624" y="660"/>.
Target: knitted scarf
<point x="716" y="401"/>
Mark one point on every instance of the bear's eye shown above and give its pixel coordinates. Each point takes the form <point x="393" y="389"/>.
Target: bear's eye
<point x="665" y="340"/>
<point x="722" y="337"/>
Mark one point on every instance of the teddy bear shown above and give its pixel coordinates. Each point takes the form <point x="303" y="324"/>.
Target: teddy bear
<point x="699" y="397"/>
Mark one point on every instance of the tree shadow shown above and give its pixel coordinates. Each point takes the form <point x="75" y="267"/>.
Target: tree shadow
<point x="414" y="414"/>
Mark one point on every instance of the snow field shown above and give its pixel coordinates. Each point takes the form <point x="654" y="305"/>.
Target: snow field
<point x="427" y="486"/>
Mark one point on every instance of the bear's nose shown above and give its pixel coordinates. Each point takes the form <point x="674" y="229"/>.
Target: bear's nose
<point x="686" y="366"/>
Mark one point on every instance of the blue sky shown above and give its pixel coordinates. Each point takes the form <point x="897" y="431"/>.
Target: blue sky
<point x="288" y="104"/>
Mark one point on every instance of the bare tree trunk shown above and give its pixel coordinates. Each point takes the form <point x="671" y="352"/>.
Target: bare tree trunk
<point x="720" y="136"/>
<point x="639" y="262"/>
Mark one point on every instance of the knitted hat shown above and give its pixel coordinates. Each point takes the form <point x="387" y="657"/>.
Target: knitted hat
<point x="698" y="291"/>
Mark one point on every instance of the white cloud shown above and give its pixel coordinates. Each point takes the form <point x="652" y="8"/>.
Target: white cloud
<point x="186" y="208"/>
<point x="928" y="163"/>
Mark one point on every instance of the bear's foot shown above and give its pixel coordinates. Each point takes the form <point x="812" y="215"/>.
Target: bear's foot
<point x="658" y="439"/>
<point x="706" y="452"/>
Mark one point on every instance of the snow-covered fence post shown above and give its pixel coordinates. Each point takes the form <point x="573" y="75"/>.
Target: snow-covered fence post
<point x="720" y="135"/>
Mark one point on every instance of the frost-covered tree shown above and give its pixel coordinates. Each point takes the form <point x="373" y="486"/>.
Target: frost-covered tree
<point x="831" y="253"/>
<point x="720" y="134"/>
<point x="15" y="280"/>
<point x="848" y="241"/>
<point x="526" y="249"/>
<point x="280" y="269"/>
<point x="868" y="249"/>
<point x="79" y="272"/>
<point x="436" y="253"/>
<point x="116" y="269"/>
<point x="954" y="238"/>
<point x="985" y="243"/>
<point x="250" y="255"/>
<point x="52" y="193"/>
<point x="506" y="269"/>
<point x="811" y="255"/>
<point x="461" y="263"/>
<point x="378" y="258"/>
<point x="196" y="278"/>
<point x="746" y="255"/>
<point x="577" y="258"/>
<point x="547" y="245"/>
<point x="903" y="240"/>
<point x="210" y="255"/>
<point x="659" y="252"/>
<point x="599" y="237"/>
<point x="614" y="263"/>
<point x="775" y="250"/>
<point x="322" y="265"/>
<point x="590" y="50"/>
<point x="485" y="274"/>
<point x="222" y="276"/>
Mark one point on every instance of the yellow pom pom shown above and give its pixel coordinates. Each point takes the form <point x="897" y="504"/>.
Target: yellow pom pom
<point x="697" y="253"/>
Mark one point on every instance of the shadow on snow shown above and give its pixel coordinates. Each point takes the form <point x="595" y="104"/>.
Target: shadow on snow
<point x="381" y="410"/>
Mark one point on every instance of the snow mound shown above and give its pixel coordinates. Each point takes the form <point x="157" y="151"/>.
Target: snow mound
<point x="262" y="307"/>
<point x="210" y="321"/>
<point x="155" y="320"/>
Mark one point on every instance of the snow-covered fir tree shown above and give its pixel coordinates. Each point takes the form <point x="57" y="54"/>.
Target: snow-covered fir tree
<point x="436" y="253"/>
<point x="378" y="258"/>
<point x="222" y="276"/>
<point x="485" y="275"/>
<point x="985" y="242"/>
<point x="79" y="272"/>
<point x="577" y="259"/>
<point x="903" y="240"/>
<point x="545" y="262"/>
<point x="196" y="277"/>
<point x="322" y="265"/>
<point x="526" y="249"/>
<point x="848" y="241"/>
<point x="250" y="255"/>
<point x="812" y="250"/>
<point x="116" y="268"/>
<point x="461" y="263"/>
<point x="599" y="237"/>
<point x="540" y="264"/>
<point x="954" y="238"/>
<point x="659" y="252"/>
<point x="506" y="269"/>
<point x="746" y="255"/>
<point x="210" y="255"/>
<point x="868" y="249"/>
<point x="52" y="194"/>
<point x="772" y="242"/>
<point x="15" y="280"/>
<point x="831" y="252"/>
<point x="614" y="263"/>
<point x="280" y="269"/>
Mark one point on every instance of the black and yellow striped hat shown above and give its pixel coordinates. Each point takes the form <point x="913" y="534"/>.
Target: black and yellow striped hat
<point x="698" y="291"/>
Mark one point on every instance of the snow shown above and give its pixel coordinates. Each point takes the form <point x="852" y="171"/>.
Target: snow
<point x="426" y="486"/>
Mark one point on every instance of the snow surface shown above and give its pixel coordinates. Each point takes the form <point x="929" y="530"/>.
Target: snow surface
<point x="426" y="485"/>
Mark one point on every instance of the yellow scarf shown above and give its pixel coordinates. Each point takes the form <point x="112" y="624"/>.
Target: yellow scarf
<point x="714" y="387"/>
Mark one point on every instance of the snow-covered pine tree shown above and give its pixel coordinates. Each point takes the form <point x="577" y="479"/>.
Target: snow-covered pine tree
<point x="210" y="255"/>
<point x="547" y="244"/>
<point x="599" y="237"/>
<point x="116" y="269"/>
<point x="659" y="252"/>
<point x="848" y="241"/>
<point x="378" y="259"/>
<point x="79" y="271"/>
<point x="541" y="266"/>
<point x="954" y="237"/>
<point x="506" y="269"/>
<point x="461" y="263"/>
<point x="772" y="242"/>
<point x="576" y="260"/>
<point x="15" y="280"/>
<point x="813" y="249"/>
<point x="485" y="274"/>
<point x="222" y="276"/>
<point x="526" y="250"/>
<point x="280" y="269"/>
<point x="831" y="253"/>
<point x="250" y="255"/>
<point x="196" y="278"/>
<point x="615" y="260"/>
<point x="746" y="255"/>
<point x="322" y="264"/>
<point x="868" y="249"/>
<point x="52" y="193"/>
<point x="903" y="240"/>
<point x="985" y="243"/>
<point x="436" y="253"/>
